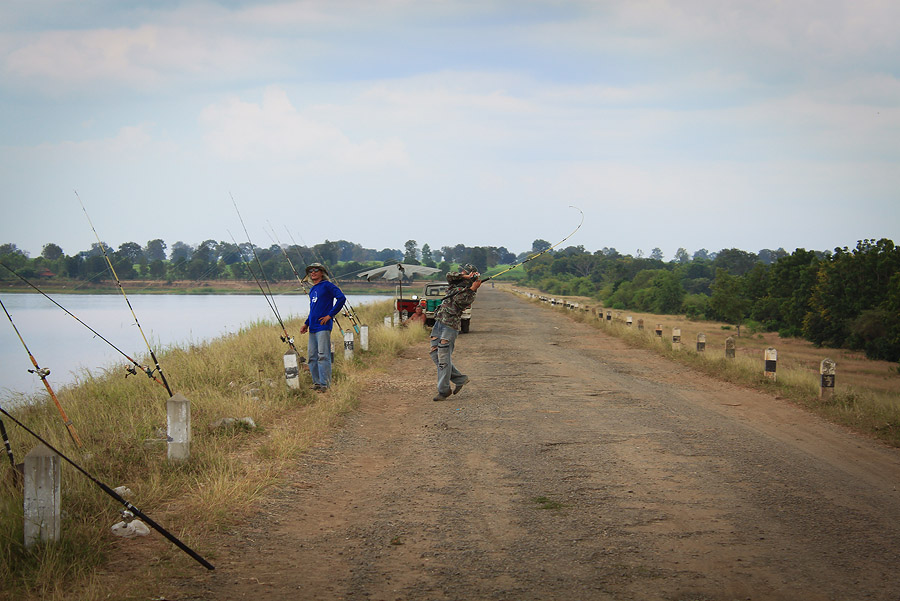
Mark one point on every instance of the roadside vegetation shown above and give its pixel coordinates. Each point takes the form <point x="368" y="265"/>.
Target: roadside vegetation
<point x="866" y="394"/>
<point x="122" y="423"/>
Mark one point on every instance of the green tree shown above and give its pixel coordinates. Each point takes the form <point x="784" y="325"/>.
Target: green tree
<point x="155" y="250"/>
<point x="727" y="302"/>
<point x="411" y="255"/>
<point x="51" y="251"/>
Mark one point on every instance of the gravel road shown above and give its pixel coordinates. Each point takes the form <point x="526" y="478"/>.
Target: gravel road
<point x="571" y="467"/>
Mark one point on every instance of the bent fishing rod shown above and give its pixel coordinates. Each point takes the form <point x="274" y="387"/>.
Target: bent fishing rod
<point x="347" y="310"/>
<point x="131" y="509"/>
<point x="42" y="373"/>
<point x="456" y="291"/>
<point x="125" y="296"/>
<point x="270" y="298"/>
<point x="135" y="365"/>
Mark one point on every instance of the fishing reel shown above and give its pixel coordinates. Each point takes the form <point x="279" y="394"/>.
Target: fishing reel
<point x="42" y="372"/>
<point x="288" y="339"/>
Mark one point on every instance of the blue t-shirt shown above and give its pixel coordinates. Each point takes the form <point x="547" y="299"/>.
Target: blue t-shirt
<point x="324" y="299"/>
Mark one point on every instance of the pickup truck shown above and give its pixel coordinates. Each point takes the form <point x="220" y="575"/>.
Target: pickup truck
<point x="433" y="295"/>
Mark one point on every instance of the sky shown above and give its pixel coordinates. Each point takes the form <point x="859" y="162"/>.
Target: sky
<point x="695" y="124"/>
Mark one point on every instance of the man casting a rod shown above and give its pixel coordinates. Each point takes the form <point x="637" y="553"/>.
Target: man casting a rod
<point x="325" y="301"/>
<point x="460" y="295"/>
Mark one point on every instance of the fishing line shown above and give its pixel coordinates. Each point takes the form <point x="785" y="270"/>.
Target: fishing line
<point x="129" y="508"/>
<point x="270" y="298"/>
<point x="42" y="374"/>
<point x="125" y="296"/>
<point x="131" y="371"/>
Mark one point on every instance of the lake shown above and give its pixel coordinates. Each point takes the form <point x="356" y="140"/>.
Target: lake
<point x="61" y="344"/>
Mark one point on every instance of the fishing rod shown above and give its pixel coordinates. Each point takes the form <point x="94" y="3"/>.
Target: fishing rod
<point x="42" y="373"/>
<point x="347" y="310"/>
<point x="270" y="298"/>
<point x="130" y="510"/>
<point x="302" y="280"/>
<point x="9" y="453"/>
<point x="132" y="370"/>
<point x="125" y="296"/>
<point x="456" y="291"/>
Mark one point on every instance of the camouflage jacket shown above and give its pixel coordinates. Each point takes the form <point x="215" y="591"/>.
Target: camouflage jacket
<point x="450" y="311"/>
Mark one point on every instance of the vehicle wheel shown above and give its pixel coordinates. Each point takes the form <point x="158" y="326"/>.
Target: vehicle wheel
<point x="464" y="325"/>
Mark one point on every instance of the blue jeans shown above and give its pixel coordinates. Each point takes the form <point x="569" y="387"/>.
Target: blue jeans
<point x="319" y="351"/>
<point x="443" y="339"/>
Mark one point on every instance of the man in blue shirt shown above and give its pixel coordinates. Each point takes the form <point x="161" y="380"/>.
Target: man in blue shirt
<point x="325" y="301"/>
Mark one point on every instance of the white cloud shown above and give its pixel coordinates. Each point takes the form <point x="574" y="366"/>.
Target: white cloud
<point x="275" y="131"/>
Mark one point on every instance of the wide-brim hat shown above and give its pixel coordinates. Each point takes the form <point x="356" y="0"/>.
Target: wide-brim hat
<point x="317" y="266"/>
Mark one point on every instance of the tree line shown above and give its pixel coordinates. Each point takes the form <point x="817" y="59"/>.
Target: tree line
<point x="845" y="298"/>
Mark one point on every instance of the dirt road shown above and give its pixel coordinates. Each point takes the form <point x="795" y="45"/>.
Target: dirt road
<point x="570" y="468"/>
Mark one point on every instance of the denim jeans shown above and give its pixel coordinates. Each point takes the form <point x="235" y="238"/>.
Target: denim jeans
<point x="443" y="339"/>
<point x="319" y="351"/>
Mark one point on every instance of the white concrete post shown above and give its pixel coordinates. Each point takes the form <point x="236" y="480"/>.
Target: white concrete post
<point x="178" y="426"/>
<point x="348" y="345"/>
<point x="292" y="369"/>
<point x="364" y="337"/>
<point x="729" y="347"/>
<point x="659" y="330"/>
<point x="701" y="342"/>
<point x="42" y="496"/>
<point x="628" y="321"/>
<point x="676" y="338"/>
<point x="771" y="360"/>
<point x="387" y="321"/>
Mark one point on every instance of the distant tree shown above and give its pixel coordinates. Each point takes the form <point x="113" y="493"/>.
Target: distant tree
<point x="668" y="294"/>
<point x="539" y="245"/>
<point x="388" y="255"/>
<point x="701" y="255"/>
<point x="411" y="255"/>
<point x="736" y="261"/>
<point x="181" y="252"/>
<point x="51" y="251"/>
<point x="155" y="250"/>
<point x="682" y="256"/>
<point x="727" y="301"/>
<point x="157" y="269"/>
<point x="130" y="251"/>
<point x="11" y="249"/>
<point x="656" y="254"/>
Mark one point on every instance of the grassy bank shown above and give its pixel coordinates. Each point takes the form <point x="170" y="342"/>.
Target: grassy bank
<point x="122" y="423"/>
<point x="866" y="394"/>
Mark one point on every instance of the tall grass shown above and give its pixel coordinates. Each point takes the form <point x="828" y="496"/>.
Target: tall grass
<point x="870" y="411"/>
<point x="122" y="423"/>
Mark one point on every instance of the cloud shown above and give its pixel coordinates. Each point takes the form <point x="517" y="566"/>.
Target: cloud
<point x="275" y="131"/>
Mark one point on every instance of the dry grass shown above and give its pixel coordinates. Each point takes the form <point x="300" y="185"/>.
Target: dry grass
<point x="866" y="394"/>
<point x="122" y="423"/>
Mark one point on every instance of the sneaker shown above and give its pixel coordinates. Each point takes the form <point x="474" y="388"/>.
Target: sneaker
<point x="441" y="397"/>
<point x="322" y="389"/>
<point x="460" y="385"/>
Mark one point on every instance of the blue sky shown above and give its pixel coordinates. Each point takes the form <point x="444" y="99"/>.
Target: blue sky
<point x="694" y="124"/>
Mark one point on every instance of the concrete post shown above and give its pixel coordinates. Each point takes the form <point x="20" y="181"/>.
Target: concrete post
<point x="676" y="338"/>
<point x="701" y="342"/>
<point x="397" y="321"/>
<point x="771" y="360"/>
<point x="178" y="425"/>
<point x="628" y="321"/>
<point x="729" y="347"/>
<point x="659" y="330"/>
<point x="364" y="337"/>
<point x="42" y="496"/>
<point x="292" y="369"/>
<point x="827" y="371"/>
<point x="641" y="324"/>
<point x="348" y="345"/>
<point x="387" y="321"/>
<point x="609" y="316"/>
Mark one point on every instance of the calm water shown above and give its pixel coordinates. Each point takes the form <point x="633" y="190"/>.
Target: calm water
<point x="66" y="347"/>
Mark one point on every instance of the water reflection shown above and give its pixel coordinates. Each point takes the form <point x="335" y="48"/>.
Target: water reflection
<point x="66" y="347"/>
